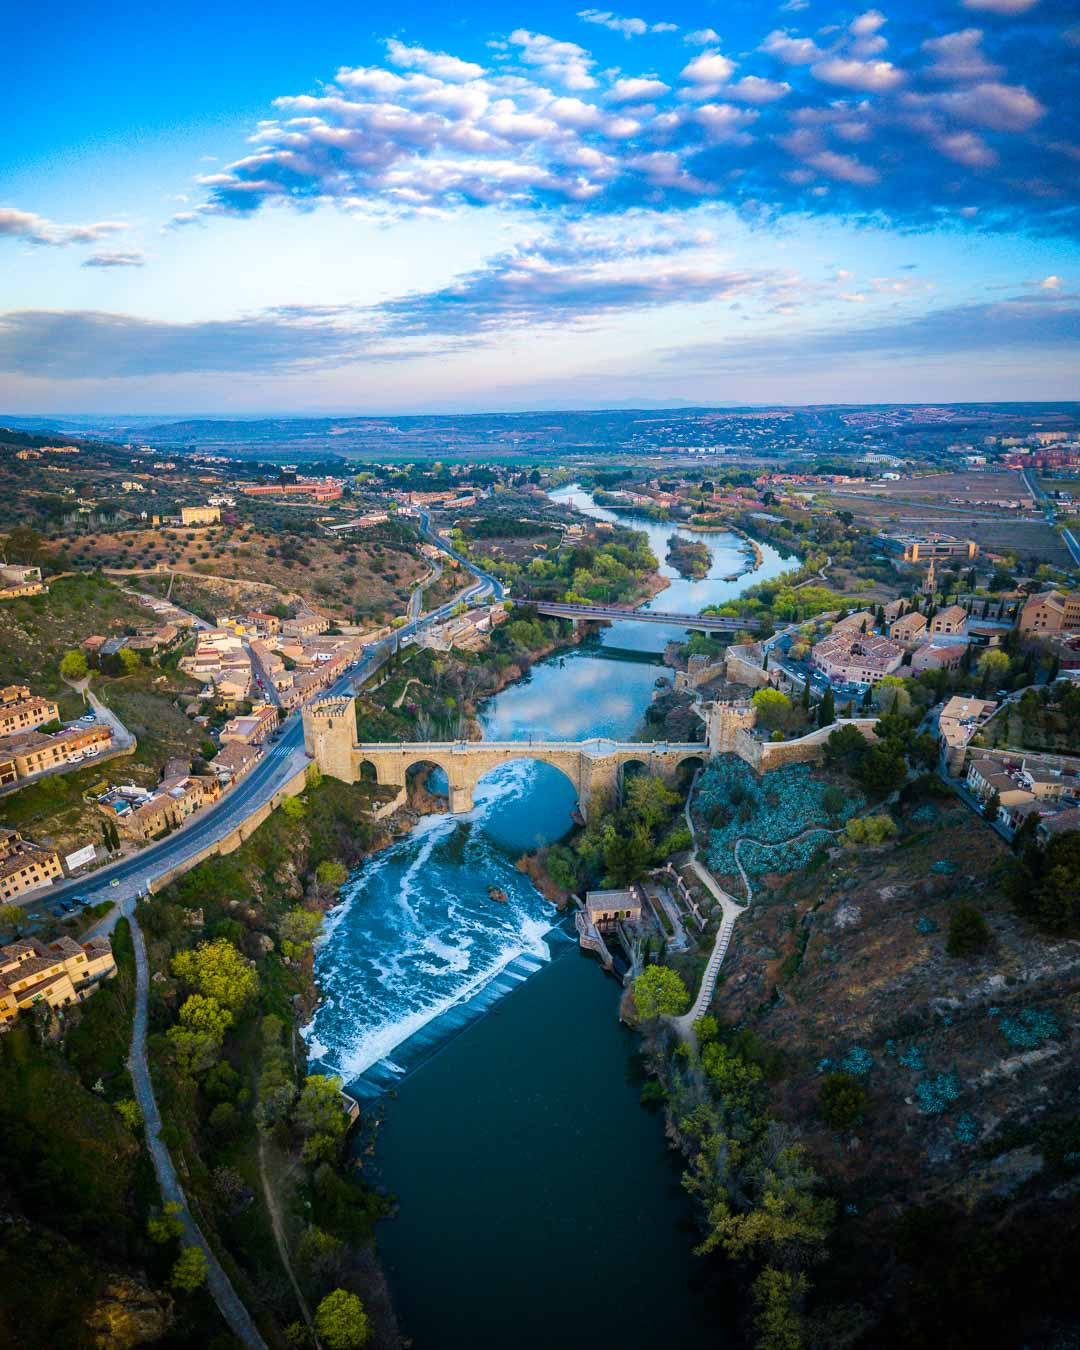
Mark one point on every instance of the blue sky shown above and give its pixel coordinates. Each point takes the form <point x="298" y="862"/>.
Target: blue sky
<point x="251" y="208"/>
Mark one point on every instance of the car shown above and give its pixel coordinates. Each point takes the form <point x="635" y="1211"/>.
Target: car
<point x="67" y="906"/>
<point x="115" y="882"/>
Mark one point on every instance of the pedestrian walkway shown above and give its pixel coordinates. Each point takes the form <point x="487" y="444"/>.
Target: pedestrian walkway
<point x="225" y="1296"/>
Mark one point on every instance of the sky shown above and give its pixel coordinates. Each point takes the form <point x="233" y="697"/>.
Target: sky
<point x="246" y="210"/>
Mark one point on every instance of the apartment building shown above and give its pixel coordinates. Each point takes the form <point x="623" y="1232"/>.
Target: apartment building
<point x="1051" y="612"/>
<point x="24" y="866"/>
<point x="20" y="711"/>
<point x="908" y="628"/>
<point x="199" y="516"/>
<point x="958" y="721"/>
<point x="57" y="973"/>
<point x="35" y="751"/>
<point x="251" y="729"/>
<point x="949" y="621"/>
<point x="146" y="815"/>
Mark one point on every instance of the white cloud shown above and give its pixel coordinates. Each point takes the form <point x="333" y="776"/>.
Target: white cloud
<point x="1001" y="6"/>
<point x="792" y="50"/>
<point x="437" y="64"/>
<point x="1050" y="283"/>
<point x="959" y="56"/>
<point x="16" y="224"/>
<point x="640" y="90"/>
<point x="115" y="259"/>
<point x="565" y="62"/>
<point x="1001" y="107"/>
<point x="708" y="68"/>
<point x="871" y="77"/>
<point x="702" y="37"/>
<point x="754" y="89"/>
<point x="967" y="147"/>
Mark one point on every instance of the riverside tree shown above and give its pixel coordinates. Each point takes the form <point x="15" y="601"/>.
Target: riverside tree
<point x="660" y="992"/>
<point x="341" y="1322"/>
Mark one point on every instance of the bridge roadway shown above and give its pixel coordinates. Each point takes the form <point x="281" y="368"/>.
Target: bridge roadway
<point x="614" y="613"/>
<point x="284" y="758"/>
<point x="593" y="766"/>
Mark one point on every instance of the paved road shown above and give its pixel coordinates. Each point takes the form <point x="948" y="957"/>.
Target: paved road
<point x="282" y="760"/>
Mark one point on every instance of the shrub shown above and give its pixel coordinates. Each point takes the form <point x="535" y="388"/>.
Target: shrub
<point x="968" y="931"/>
<point x="841" y="1101"/>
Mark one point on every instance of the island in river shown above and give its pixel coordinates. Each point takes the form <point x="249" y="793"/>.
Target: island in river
<point x="689" y="557"/>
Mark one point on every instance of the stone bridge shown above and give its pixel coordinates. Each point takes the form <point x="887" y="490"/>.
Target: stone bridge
<point x="595" y="767"/>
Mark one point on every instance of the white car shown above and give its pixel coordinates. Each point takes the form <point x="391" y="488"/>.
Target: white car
<point x="76" y="757"/>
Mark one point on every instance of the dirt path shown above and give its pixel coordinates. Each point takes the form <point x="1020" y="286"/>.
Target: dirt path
<point x="279" y="1237"/>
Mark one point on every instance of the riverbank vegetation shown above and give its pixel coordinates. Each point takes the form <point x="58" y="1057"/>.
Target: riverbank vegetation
<point x="261" y="1143"/>
<point x="429" y="695"/>
<point x="689" y="557"/>
<point x="876" y="1110"/>
<point x="604" y="565"/>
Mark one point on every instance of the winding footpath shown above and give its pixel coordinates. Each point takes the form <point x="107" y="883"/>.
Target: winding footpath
<point x="225" y="1296"/>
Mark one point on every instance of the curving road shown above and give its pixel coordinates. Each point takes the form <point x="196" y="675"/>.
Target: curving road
<point x="124" y="880"/>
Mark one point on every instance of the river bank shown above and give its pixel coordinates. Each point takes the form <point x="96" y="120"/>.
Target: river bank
<point x="420" y="968"/>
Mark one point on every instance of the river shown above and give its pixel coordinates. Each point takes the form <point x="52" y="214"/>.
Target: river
<point x="526" y="1169"/>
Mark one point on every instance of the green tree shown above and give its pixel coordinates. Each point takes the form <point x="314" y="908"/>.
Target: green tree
<point x="299" y="928"/>
<point x="341" y="1322"/>
<point x="189" y="1272"/>
<point x="130" y="661"/>
<point x="73" y="665"/>
<point x="777" y="1296"/>
<point x="130" y="1113"/>
<point x="330" y="874"/>
<point x="827" y="709"/>
<point x="199" y="1012"/>
<point x="969" y="932"/>
<point x="11" y="917"/>
<point x="660" y="992"/>
<point x="993" y="666"/>
<point x="650" y="799"/>
<point x="841" y="1100"/>
<point x="773" y="708"/>
<point x="870" y="830"/>
<point x="293" y="808"/>
<point x="168" y="1226"/>
<point x="992" y="805"/>
<point x="319" y="1108"/>
<point x="217" y="970"/>
<point x="833" y="801"/>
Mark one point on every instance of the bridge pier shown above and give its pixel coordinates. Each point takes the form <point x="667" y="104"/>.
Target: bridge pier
<point x="461" y="800"/>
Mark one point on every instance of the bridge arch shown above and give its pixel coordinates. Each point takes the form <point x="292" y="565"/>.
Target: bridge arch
<point x="419" y="771"/>
<point x="561" y="774"/>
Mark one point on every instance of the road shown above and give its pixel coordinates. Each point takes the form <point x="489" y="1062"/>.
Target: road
<point x="281" y="761"/>
<point x="1067" y="536"/>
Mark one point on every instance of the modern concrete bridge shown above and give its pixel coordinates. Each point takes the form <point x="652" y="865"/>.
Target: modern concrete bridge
<point x="595" y="767"/>
<point x="614" y="613"/>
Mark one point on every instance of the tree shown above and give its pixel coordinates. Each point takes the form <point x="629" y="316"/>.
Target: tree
<point x="891" y="696"/>
<point x="130" y="661"/>
<point x="190" y="1270"/>
<point x="826" y="715"/>
<point x="11" y="916"/>
<point x="299" y="928"/>
<point x="833" y="801"/>
<point x="73" y="665"/>
<point x="969" y="932"/>
<point x="217" y="970"/>
<point x="330" y="874"/>
<point x="841" y="1101"/>
<point x="882" y="768"/>
<point x="319" y="1109"/>
<point x="201" y="1013"/>
<point x="341" y="1322"/>
<point x="293" y="808"/>
<point x="660" y="992"/>
<point x="992" y="666"/>
<point x="773" y="708"/>
<point x="650" y="798"/>
<point x="870" y="830"/>
<point x="777" y="1296"/>
<point x="992" y="805"/>
<point x="168" y="1226"/>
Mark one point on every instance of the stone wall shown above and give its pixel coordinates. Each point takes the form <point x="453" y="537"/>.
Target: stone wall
<point x="765" y="755"/>
<point x="742" y="665"/>
<point x="293" y="787"/>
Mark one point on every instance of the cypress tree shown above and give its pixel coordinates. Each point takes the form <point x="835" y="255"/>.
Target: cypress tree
<point x="827" y="708"/>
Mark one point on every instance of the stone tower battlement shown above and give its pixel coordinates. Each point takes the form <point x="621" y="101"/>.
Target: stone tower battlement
<point x="330" y="734"/>
<point x="724" y="719"/>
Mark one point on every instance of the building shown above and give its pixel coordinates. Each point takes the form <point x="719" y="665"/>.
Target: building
<point x="321" y="491"/>
<point x="856" y="658"/>
<point x="949" y="621"/>
<point x="234" y="760"/>
<point x="17" y="581"/>
<point x="1051" y="612"/>
<point x="24" y="866"/>
<point x="251" y="729"/>
<point x="59" y="973"/>
<point x="916" y="548"/>
<point x="958" y="721"/>
<point x="1061" y="822"/>
<point x="606" y="907"/>
<point x="937" y="656"/>
<point x="21" y="712"/>
<point x="198" y="516"/>
<point x="908" y="628"/>
<point x="986" y="776"/>
<point x="305" y="624"/>
<point x="35" y="751"/>
<point x="860" y="622"/>
<point x="147" y="815"/>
